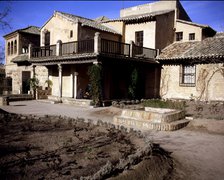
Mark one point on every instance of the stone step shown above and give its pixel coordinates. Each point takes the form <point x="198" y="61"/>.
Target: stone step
<point x="77" y="102"/>
<point x="157" y="115"/>
<point x="149" y="125"/>
<point x="71" y="101"/>
<point x="49" y="101"/>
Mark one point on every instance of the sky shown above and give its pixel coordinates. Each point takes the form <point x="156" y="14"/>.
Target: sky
<point x="25" y="13"/>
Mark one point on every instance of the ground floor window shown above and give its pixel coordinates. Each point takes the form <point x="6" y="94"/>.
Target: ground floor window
<point x="187" y="75"/>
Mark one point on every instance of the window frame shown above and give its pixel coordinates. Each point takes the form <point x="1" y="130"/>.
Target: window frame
<point x="9" y="48"/>
<point x="177" y="36"/>
<point x="15" y="46"/>
<point x="184" y="74"/>
<point x="190" y="35"/>
<point x="71" y="34"/>
<point x="139" y="38"/>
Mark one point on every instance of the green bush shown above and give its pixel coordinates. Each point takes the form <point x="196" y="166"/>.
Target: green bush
<point x="157" y="103"/>
<point x="95" y="75"/>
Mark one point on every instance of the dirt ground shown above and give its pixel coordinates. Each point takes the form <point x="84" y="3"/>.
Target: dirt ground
<point x="51" y="147"/>
<point x="214" y="110"/>
<point x="196" y="150"/>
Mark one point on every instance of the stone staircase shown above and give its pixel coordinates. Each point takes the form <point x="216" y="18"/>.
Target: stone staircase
<point x="152" y="119"/>
<point x="68" y="100"/>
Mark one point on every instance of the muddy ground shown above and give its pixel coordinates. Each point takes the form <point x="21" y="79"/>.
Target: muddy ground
<point x="51" y="147"/>
<point x="212" y="110"/>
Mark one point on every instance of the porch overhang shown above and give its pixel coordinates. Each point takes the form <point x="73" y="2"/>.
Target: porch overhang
<point x="67" y="59"/>
<point x="105" y="57"/>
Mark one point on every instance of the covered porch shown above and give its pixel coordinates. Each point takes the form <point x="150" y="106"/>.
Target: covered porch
<point x="68" y="64"/>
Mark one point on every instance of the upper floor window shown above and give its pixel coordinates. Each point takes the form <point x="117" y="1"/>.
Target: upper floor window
<point x="71" y="33"/>
<point x="11" y="47"/>
<point x="192" y="36"/>
<point x="179" y="36"/>
<point x="47" y="38"/>
<point x="15" y="46"/>
<point x="8" y="48"/>
<point x="139" y="38"/>
<point x="187" y="75"/>
<point x="25" y="49"/>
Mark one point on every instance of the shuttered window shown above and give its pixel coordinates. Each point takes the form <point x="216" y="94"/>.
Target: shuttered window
<point x="187" y="75"/>
<point x="139" y="38"/>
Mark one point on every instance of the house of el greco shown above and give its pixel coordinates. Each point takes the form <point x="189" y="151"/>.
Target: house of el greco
<point x="174" y="57"/>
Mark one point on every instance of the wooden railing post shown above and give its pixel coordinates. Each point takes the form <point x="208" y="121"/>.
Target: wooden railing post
<point x="30" y="49"/>
<point x="131" y="48"/>
<point x="97" y="43"/>
<point x="59" y="48"/>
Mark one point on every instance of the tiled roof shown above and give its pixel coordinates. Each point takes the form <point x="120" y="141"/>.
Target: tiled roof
<point x="20" y="58"/>
<point x="146" y="16"/>
<point x="29" y="30"/>
<point x="101" y="18"/>
<point x="86" y="22"/>
<point x="176" y="50"/>
<point x="211" y="48"/>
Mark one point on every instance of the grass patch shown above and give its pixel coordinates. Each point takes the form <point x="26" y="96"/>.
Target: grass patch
<point x="157" y="103"/>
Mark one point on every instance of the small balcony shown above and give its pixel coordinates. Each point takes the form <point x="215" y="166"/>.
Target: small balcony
<point x="97" y="46"/>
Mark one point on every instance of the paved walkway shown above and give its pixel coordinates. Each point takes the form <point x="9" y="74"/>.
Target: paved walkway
<point x="43" y="108"/>
<point x="198" y="155"/>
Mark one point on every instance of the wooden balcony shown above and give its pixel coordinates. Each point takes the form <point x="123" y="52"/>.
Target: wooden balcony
<point x="101" y="47"/>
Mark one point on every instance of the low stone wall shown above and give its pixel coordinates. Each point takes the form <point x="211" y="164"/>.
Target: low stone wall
<point x="152" y="118"/>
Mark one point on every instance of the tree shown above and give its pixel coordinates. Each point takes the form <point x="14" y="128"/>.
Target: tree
<point x="4" y="21"/>
<point x="4" y="25"/>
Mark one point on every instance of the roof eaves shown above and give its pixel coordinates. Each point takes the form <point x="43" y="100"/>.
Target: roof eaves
<point x="139" y="16"/>
<point x="194" y="24"/>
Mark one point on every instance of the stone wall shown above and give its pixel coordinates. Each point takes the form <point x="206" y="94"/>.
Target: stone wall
<point x="15" y="72"/>
<point x="209" y="83"/>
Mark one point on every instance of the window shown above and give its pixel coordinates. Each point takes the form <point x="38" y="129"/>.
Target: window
<point x="8" y="48"/>
<point x="71" y="33"/>
<point x="15" y="46"/>
<point x="179" y="36"/>
<point x="24" y="49"/>
<point x="139" y="38"/>
<point x="11" y="47"/>
<point x="47" y="38"/>
<point x="187" y="75"/>
<point x="192" y="36"/>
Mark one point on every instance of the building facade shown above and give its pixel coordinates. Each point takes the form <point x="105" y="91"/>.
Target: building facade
<point x="17" y="66"/>
<point x="151" y="39"/>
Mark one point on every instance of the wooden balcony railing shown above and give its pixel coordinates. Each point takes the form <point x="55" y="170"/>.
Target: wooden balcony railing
<point x="87" y="46"/>
<point x="44" y="51"/>
<point x="143" y="52"/>
<point x="78" y="47"/>
<point x="114" y="47"/>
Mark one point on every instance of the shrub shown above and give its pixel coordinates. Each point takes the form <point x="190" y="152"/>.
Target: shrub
<point x="94" y="73"/>
<point x="157" y="103"/>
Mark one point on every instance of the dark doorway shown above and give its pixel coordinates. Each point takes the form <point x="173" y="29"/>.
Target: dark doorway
<point x="25" y="81"/>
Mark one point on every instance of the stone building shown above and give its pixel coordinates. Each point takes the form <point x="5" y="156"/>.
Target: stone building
<point x="193" y="69"/>
<point x="70" y="44"/>
<point x="17" y="65"/>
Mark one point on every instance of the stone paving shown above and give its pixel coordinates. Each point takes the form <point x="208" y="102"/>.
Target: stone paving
<point x="43" y="108"/>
